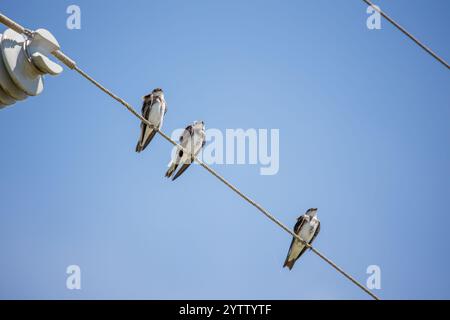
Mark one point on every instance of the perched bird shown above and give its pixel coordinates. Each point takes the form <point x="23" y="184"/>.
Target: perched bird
<point x="307" y="228"/>
<point x="153" y="110"/>
<point x="192" y="140"/>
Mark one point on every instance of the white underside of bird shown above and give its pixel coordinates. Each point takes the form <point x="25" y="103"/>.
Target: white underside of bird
<point x="155" y="117"/>
<point x="192" y="146"/>
<point x="306" y="233"/>
<point x="192" y="140"/>
<point x="154" y="109"/>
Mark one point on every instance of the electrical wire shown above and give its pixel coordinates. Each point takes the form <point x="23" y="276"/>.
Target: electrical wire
<point x="72" y="65"/>
<point x="409" y="35"/>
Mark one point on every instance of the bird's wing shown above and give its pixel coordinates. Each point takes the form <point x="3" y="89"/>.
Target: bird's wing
<point x="297" y="228"/>
<point x="184" y="140"/>
<point x="190" y="132"/>
<point x="187" y="133"/>
<point x="147" y="133"/>
<point x="147" y="105"/>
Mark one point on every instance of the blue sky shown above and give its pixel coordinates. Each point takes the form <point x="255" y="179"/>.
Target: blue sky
<point x="364" y="136"/>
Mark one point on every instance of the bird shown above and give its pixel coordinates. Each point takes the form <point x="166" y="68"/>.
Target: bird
<point x="192" y="140"/>
<point x="154" y="109"/>
<point x="307" y="228"/>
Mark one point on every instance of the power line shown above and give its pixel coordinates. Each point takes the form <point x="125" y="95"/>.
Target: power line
<point x="420" y="44"/>
<point x="72" y="65"/>
<point x="228" y="184"/>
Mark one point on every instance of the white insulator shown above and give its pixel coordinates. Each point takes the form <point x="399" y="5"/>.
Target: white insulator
<point x="23" y="63"/>
<point x="40" y="48"/>
<point x="24" y="74"/>
<point x="8" y="85"/>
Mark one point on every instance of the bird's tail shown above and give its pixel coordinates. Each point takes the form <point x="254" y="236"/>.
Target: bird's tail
<point x="138" y="147"/>
<point x="173" y="166"/>
<point x="289" y="263"/>
<point x="141" y="145"/>
<point x="182" y="169"/>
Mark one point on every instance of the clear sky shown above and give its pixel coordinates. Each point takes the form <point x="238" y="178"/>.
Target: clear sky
<point x="364" y="136"/>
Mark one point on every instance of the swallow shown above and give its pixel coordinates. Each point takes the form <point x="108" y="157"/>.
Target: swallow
<point x="153" y="110"/>
<point x="192" y="140"/>
<point x="307" y="228"/>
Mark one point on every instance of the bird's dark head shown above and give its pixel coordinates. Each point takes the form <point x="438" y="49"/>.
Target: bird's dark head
<point x="199" y="125"/>
<point x="158" y="92"/>
<point x="155" y="93"/>
<point x="311" y="212"/>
